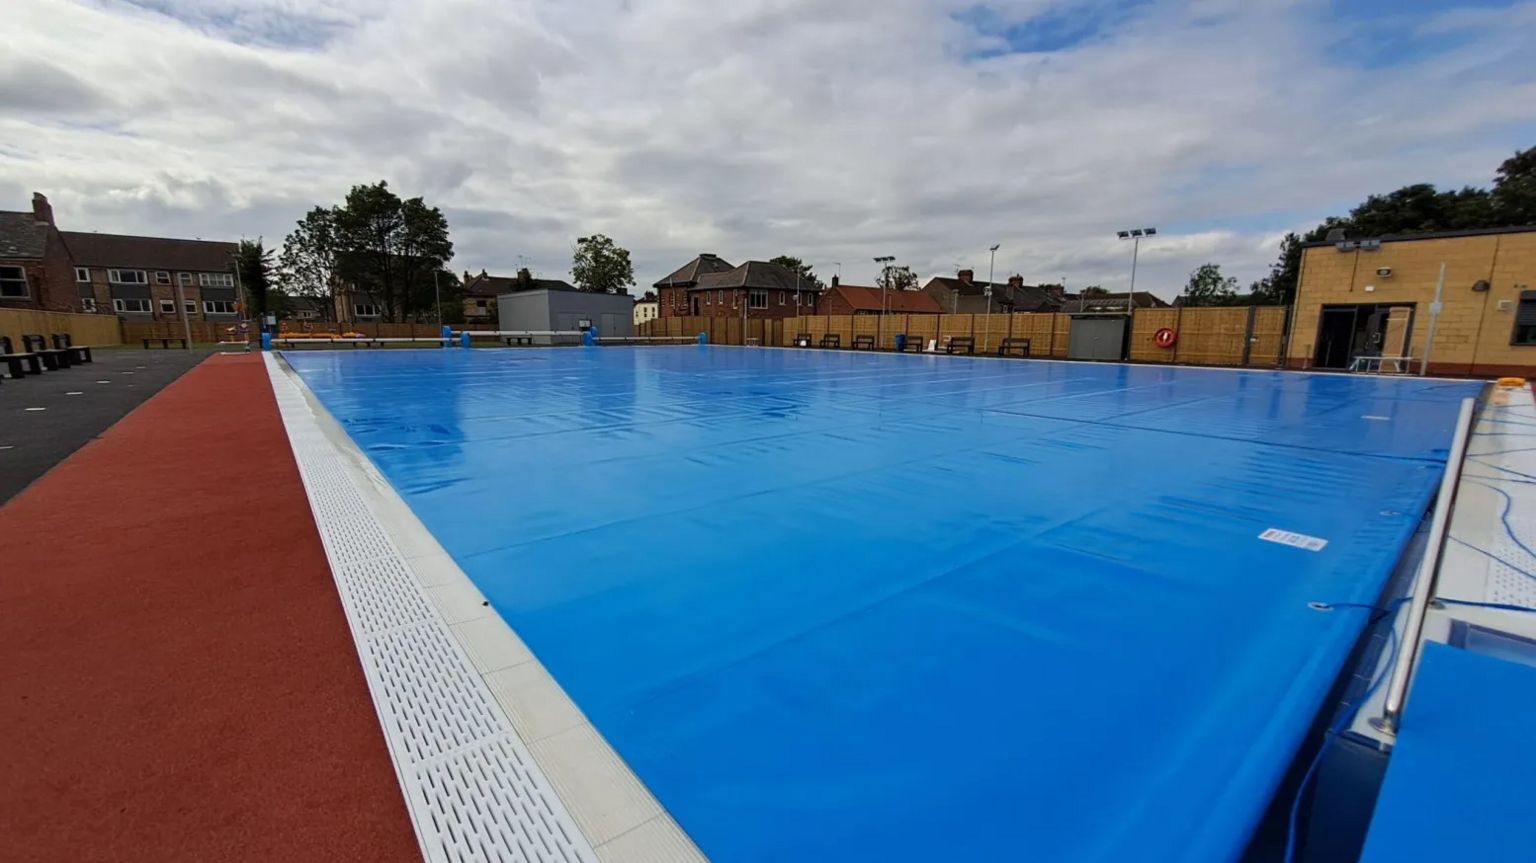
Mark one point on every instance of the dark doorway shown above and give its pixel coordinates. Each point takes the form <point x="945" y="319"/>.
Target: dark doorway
<point x="1345" y="333"/>
<point x="695" y="298"/>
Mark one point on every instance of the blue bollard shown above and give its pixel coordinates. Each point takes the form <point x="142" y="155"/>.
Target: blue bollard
<point x="589" y="337"/>
<point x="447" y="331"/>
<point x="464" y="339"/>
<point x="703" y="339"/>
<point x="266" y="341"/>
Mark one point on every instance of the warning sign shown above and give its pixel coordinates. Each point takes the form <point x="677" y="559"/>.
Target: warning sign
<point x="1299" y="540"/>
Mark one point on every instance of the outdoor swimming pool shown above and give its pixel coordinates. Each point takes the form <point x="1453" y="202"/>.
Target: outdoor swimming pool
<point x="869" y="606"/>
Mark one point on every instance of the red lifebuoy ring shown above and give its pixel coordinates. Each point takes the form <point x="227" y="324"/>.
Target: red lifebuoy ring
<point x="1165" y="337"/>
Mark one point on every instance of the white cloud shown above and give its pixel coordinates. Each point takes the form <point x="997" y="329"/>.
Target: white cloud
<point x="834" y="131"/>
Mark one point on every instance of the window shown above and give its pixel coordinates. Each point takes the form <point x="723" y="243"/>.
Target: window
<point x="218" y="307"/>
<point x="13" y="282"/>
<point x="131" y="306"/>
<point x="781" y="297"/>
<point x="167" y="307"/>
<point x="127" y="277"/>
<point x="88" y="304"/>
<point x="216" y="280"/>
<point x="191" y="306"/>
<point x="82" y="274"/>
<point x="757" y="299"/>
<point x="162" y="278"/>
<point x="186" y="279"/>
<point x="365" y="310"/>
<point x="1525" y="320"/>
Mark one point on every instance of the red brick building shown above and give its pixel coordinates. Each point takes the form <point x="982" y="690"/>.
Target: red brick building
<point x="842" y="299"/>
<point x="709" y="285"/>
<point x="962" y="294"/>
<point x="36" y="270"/>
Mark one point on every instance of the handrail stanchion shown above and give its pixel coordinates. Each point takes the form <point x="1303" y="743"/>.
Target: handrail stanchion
<point x="1424" y="581"/>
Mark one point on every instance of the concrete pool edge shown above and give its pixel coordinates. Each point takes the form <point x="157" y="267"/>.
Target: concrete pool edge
<point x="397" y="584"/>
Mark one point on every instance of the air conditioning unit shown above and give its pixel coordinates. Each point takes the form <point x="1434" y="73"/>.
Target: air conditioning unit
<point x="1370" y="245"/>
<point x="1346" y="246"/>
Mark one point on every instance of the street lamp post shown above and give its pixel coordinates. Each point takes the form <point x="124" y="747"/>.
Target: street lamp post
<point x="885" y="304"/>
<point x="1134" y="235"/>
<point x="986" y="337"/>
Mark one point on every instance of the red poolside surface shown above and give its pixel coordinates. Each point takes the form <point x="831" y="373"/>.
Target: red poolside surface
<point x="177" y="680"/>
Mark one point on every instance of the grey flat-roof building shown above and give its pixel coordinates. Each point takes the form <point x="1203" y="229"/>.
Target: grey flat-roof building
<point x="554" y="309"/>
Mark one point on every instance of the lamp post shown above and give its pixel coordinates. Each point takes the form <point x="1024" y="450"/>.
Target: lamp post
<point x="885" y="262"/>
<point x="1134" y="235"/>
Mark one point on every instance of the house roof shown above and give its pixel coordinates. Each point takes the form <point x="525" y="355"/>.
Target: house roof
<point x="754" y="274"/>
<point x="1025" y="297"/>
<point x="1112" y="302"/>
<point x="688" y="274"/>
<point x="485" y="285"/>
<point x="21" y="236"/>
<point x="150" y="253"/>
<point x="861" y="298"/>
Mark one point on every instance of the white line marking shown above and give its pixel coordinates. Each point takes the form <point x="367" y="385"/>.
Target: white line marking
<point x="36" y="409"/>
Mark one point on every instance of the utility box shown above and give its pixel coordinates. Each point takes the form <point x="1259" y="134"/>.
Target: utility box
<point x="1097" y="338"/>
<point x="547" y="309"/>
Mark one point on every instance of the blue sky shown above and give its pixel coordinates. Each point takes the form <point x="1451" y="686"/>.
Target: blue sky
<point x="927" y="129"/>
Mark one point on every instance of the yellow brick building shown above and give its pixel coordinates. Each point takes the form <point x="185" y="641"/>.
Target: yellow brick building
<point x="1374" y="297"/>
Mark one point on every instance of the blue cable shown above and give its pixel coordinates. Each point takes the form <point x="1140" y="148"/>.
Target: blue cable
<point x="1499" y="606"/>
<point x="1509" y="504"/>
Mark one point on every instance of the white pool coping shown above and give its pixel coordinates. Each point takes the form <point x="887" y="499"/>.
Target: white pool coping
<point x="494" y="759"/>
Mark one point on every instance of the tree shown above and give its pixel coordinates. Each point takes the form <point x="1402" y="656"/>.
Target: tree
<point x="648" y="297"/>
<point x="309" y="265"/>
<point x="1207" y="287"/>
<point x="253" y="269"/>
<point x="391" y="247"/>
<point x="1514" y="189"/>
<point x="1093" y="291"/>
<point x="894" y="278"/>
<point x="600" y="266"/>
<point x="808" y="278"/>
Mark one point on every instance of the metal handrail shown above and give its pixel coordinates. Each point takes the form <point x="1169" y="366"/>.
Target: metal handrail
<point x="1425" y="580"/>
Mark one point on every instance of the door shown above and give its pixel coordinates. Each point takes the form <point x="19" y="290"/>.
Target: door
<point x="1096" y="338"/>
<point x="695" y="299"/>
<point x="1335" y="338"/>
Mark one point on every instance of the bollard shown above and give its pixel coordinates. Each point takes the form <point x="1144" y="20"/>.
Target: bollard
<point x="266" y="341"/>
<point x="589" y="337"/>
<point x="447" y="332"/>
<point x="464" y="339"/>
<point x="703" y="339"/>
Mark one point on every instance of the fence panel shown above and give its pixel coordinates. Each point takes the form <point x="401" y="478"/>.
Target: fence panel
<point x="990" y="331"/>
<point x="81" y="329"/>
<point x="1268" y="336"/>
<point x="955" y="325"/>
<point x="1144" y="329"/>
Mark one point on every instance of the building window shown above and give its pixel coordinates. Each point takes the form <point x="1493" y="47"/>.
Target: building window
<point x="191" y="306"/>
<point x="365" y="310"/>
<point x="216" y="280"/>
<point x="1525" y="320"/>
<point x="13" y="282"/>
<point x="133" y="305"/>
<point x="218" y="307"/>
<point x="757" y="299"/>
<point x="167" y="307"/>
<point x="781" y="297"/>
<point x="186" y="279"/>
<point x="127" y="277"/>
<point x="88" y="304"/>
<point x="82" y="274"/>
<point x="162" y="277"/>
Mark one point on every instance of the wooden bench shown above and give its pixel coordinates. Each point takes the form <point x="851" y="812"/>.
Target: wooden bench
<point x="53" y="358"/>
<point x="165" y="341"/>
<point x="802" y="340"/>
<point x="79" y="353"/>
<point x="957" y="343"/>
<point x="14" y="360"/>
<point x="863" y="343"/>
<point x="912" y="344"/>
<point x="521" y="340"/>
<point x="832" y="340"/>
<point x="1020" y="345"/>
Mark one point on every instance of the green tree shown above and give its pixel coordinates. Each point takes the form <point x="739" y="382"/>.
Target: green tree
<point x="1092" y="291"/>
<point x="310" y="263"/>
<point x="1207" y="287"/>
<point x="600" y="266"/>
<point x="894" y="278"/>
<point x="1514" y="189"/>
<point x="253" y="267"/>
<point x="808" y="278"/>
<point x="391" y="246"/>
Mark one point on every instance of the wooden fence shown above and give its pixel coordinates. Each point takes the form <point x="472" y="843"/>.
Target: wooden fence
<point x="220" y="331"/>
<point x="1216" y="336"/>
<point x="82" y="329"/>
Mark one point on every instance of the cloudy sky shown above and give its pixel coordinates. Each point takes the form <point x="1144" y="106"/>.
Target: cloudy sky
<point x="836" y="131"/>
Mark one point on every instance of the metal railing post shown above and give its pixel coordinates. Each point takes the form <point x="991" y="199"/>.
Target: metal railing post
<point x="1425" y="579"/>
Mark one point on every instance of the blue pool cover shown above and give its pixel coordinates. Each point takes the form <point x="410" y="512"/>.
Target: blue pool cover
<point x="1458" y="784"/>
<point x="840" y="606"/>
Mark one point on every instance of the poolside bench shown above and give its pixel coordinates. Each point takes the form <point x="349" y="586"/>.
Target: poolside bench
<point x="802" y="340"/>
<point x="958" y="343"/>
<point x="519" y="339"/>
<point x="1014" y="344"/>
<point x="912" y="344"/>
<point x="53" y="358"/>
<point x="14" y="360"/>
<point x="832" y="340"/>
<point x="79" y="353"/>
<point x="165" y="341"/>
<point x="863" y="343"/>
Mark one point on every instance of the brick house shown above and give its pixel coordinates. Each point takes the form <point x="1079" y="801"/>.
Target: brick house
<point x="755" y="290"/>
<point x="1103" y="303"/>
<point x="36" y="270"/>
<point x="840" y="299"/>
<point x="964" y="295"/>
<point x="138" y="278"/>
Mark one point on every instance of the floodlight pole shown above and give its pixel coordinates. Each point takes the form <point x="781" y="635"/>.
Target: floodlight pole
<point x="986" y="337"/>
<point x="885" y="262"/>
<point x="1135" y="235"/>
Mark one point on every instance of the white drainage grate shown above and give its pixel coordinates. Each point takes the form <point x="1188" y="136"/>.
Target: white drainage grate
<point x="473" y="790"/>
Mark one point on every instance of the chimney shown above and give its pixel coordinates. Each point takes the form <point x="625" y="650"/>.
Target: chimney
<point x="834" y="281"/>
<point x="1057" y="292"/>
<point x="524" y="279"/>
<point x="41" y="209"/>
<point x="1015" y="282"/>
<point x="966" y="276"/>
